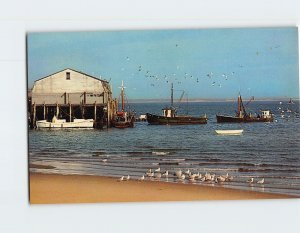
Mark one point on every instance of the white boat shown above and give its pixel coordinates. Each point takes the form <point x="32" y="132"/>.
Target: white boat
<point x="61" y="123"/>
<point x="230" y="132"/>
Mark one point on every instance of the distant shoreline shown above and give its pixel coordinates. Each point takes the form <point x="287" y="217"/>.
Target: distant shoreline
<point x="211" y="100"/>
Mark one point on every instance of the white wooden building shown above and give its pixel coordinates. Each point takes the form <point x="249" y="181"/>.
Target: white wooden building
<point x="79" y="94"/>
<point x="70" y="86"/>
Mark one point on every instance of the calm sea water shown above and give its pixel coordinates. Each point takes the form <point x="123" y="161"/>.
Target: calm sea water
<point x="265" y="150"/>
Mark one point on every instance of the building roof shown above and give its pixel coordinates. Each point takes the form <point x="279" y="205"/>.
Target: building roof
<point x="74" y="71"/>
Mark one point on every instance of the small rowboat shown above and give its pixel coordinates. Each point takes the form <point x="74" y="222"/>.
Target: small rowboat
<point x="230" y="132"/>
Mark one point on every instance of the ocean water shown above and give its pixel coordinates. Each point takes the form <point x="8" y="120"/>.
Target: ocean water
<point x="265" y="150"/>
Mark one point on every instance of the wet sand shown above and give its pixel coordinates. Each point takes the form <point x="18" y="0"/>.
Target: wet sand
<point x="88" y="189"/>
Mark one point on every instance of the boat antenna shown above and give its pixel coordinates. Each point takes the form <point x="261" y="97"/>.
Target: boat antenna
<point x="171" y="94"/>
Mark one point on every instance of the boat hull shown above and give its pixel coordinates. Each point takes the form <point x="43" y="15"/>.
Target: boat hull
<point x="231" y="119"/>
<point x="122" y="122"/>
<point x="123" y="125"/>
<point x="230" y="132"/>
<point x="78" y="123"/>
<point x="177" y="120"/>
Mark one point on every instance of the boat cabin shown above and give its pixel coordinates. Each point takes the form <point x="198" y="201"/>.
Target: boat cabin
<point x="266" y="114"/>
<point x="169" y="112"/>
<point x="121" y="116"/>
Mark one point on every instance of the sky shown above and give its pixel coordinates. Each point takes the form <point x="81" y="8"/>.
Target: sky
<point x="204" y="63"/>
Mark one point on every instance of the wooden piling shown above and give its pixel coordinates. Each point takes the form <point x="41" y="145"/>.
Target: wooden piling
<point x="44" y="111"/>
<point x="70" y="111"/>
<point x="57" y="110"/>
<point x="95" y="111"/>
<point x="82" y="111"/>
<point x="34" y="115"/>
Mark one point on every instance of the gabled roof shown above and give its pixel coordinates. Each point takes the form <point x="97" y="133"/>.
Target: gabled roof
<point x="74" y="71"/>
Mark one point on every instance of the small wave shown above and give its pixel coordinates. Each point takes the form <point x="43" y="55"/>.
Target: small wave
<point x="169" y="163"/>
<point x="160" y="152"/>
<point x="214" y="160"/>
<point x="173" y="159"/>
<point x="138" y="152"/>
<point x="266" y="170"/>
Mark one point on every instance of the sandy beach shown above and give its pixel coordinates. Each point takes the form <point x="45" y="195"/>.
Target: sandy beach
<point x="88" y="189"/>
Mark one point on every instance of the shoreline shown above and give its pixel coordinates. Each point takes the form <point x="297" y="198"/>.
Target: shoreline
<point x="56" y="189"/>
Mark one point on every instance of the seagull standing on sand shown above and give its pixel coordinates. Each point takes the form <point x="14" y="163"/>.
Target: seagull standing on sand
<point x="261" y="181"/>
<point x="207" y="177"/>
<point x="250" y="181"/>
<point x="187" y="172"/>
<point x="182" y="177"/>
<point x="221" y="179"/>
<point x="158" y="175"/>
<point x="150" y="174"/>
<point x="128" y="177"/>
<point x="166" y="174"/>
<point x="203" y="179"/>
<point x="199" y="176"/>
<point x="178" y="173"/>
<point x="121" y="179"/>
<point x="142" y="178"/>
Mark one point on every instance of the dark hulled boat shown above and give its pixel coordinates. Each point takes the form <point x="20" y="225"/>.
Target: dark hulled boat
<point x="243" y="117"/>
<point x="169" y="117"/>
<point x="123" y="119"/>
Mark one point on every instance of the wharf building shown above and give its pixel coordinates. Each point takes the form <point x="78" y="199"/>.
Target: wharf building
<point x="70" y="94"/>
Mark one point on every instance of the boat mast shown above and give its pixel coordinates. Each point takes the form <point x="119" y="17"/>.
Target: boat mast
<point x="242" y="110"/>
<point x="239" y="105"/>
<point x="122" y="97"/>
<point x="171" y="94"/>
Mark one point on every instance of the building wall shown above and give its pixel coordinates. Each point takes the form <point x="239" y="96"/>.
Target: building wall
<point x="57" y="88"/>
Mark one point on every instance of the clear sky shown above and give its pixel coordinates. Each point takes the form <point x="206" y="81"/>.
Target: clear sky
<point x="206" y="63"/>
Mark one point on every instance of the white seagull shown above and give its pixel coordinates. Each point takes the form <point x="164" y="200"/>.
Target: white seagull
<point x="142" y="178"/>
<point x="158" y="175"/>
<point x="203" y="179"/>
<point x="121" y="179"/>
<point x="261" y="181"/>
<point x="150" y="174"/>
<point x="128" y="177"/>
<point x="221" y="179"/>
<point x="158" y="169"/>
<point x="178" y="173"/>
<point x="250" y="181"/>
<point x="182" y="177"/>
<point x="187" y="172"/>
<point x="166" y="173"/>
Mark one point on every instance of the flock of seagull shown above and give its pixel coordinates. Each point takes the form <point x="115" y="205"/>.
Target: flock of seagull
<point x="180" y="75"/>
<point x="174" y="77"/>
<point x="157" y="174"/>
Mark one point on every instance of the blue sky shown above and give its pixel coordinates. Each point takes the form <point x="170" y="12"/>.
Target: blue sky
<point x="206" y="63"/>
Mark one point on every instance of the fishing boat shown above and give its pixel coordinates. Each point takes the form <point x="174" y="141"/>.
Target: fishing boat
<point x="290" y="101"/>
<point x="62" y="123"/>
<point x="122" y="118"/>
<point x="230" y="132"/>
<point x="169" y="116"/>
<point x="243" y="117"/>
